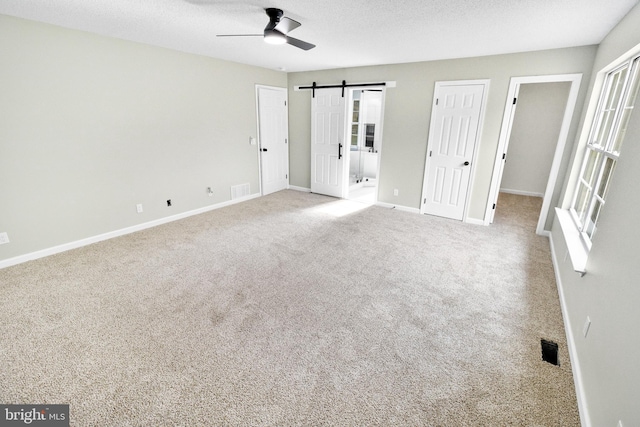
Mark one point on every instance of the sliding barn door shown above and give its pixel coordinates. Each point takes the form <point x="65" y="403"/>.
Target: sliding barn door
<point x="328" y="113"/>
<point x="453" y="133"/>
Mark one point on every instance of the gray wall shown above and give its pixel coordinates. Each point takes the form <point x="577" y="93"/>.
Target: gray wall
<point x="534" y="137"/>
<point x="91" y="126"/>
<point x="408" y="111"/>
<point x="610" y="291"/>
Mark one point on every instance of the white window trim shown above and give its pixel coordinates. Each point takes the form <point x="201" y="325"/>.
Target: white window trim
<point x="576" y="248"/>
<point x="578" y="243"/>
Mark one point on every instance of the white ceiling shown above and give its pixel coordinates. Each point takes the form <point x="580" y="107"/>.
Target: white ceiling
<point x="348" y="33"/>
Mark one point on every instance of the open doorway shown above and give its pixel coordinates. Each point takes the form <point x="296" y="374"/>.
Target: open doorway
<point x="549" y="173"/>
<point x="365" y="143"/>
<point x="534" y="135"/>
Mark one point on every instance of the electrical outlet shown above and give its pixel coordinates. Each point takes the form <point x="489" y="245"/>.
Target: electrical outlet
<point x="169" y="202"/>
<point x="252" y="140"/>
<point x="585" y="328"/>
<point x="139" y="207"/>
<point x="395" y="191"/>
<point x="4" y="238"/>
<point x="209" y="191"/>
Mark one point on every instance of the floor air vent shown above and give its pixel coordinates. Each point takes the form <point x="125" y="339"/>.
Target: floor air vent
<point x="550" y="352"/>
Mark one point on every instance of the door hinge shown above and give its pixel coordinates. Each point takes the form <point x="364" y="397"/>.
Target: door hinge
<point x="494" y="206"/>
<point x="437" y="101"/>
<point x="424" y="201"/>
<point x="514" y="101"/>
<point x="504" y="156"/>
<point x="286" y="176"/>
<point x="430" y="153"/>
<point x="285" y="103"/>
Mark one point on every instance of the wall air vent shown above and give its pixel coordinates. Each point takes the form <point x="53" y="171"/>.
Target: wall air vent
<point x="240" y="191"/>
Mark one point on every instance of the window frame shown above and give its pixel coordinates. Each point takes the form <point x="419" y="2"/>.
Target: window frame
<point x="591" y="192"/>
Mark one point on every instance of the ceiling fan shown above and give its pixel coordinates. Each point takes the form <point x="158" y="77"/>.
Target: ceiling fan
<point x="277" y="29"/>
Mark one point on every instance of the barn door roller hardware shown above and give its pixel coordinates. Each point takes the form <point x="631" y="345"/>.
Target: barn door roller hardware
<point x="343" y="85"/>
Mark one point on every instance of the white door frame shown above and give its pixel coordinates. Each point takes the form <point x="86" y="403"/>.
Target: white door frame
<point x="259" y="142"/>
<point x="505" y="134"/>
<point x="472" y="173"/>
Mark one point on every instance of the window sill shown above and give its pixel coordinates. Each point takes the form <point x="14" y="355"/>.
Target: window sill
<point x="577" y="251"/>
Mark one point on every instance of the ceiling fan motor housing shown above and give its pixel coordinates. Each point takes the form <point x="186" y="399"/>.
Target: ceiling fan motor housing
<point x="274" y="17"/>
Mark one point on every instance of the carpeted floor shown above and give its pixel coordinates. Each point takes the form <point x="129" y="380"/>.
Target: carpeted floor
<point x="294" y="309"/>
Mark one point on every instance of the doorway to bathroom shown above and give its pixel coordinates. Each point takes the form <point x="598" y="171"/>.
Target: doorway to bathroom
<point x="364" y="129"/>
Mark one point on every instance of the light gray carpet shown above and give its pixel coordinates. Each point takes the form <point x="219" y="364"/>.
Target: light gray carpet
<point x="288" y="310"/>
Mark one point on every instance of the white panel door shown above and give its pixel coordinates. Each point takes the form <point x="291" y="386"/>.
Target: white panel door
<point x="328" y="111"/>
<point x="272" y="134"/>
<point x="453" y="133"/>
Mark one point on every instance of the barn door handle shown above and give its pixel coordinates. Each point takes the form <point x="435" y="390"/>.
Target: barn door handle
<point x="466" y="163"/>
<point x="264" y="149"/>
<point x="339" y="151"/>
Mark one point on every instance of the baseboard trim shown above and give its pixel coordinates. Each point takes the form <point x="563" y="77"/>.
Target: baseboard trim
<point x="399" y="207"/>
<point x="475" y="221"/>
<point x="117" y="233"/>
<point x="303" y="189"/>
<point x="585" y="420"/>
<point x="521" y="193"/>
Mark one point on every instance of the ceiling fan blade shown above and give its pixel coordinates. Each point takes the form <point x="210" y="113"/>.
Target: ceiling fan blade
<point x="299" y="43"/>
<point x="240" y="35"/>
<point x="286" y="24"/>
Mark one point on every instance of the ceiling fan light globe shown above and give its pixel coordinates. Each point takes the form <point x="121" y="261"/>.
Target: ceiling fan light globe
<point x="274" y="37"/>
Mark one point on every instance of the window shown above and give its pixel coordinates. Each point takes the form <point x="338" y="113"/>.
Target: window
<point x="355" y="122"/>
<point x="606" y="135"/>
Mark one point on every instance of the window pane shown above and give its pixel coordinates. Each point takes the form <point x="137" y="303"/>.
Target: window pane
<point x="588" y="175"/>
<point x="585" y="187"/>
<point x="609" y="166"/>
<point x="633" y="90"/>
<point x="605" y="128"/>
<point x="617" y="85"/>
<point x="593" y="219"/>
<point x="581" y="202"/>
<point x="626" y="113"/>
<point x="622" y="130"/>
<point x="610" y="90"/>
<point x="612" y="93"/>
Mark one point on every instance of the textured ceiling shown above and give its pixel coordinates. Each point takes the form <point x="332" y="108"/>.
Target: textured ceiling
<point x="348" y="33"/>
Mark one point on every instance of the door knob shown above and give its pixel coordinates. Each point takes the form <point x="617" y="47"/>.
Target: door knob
<point x="264" y="149"/>
<point x="466" y="163"/>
